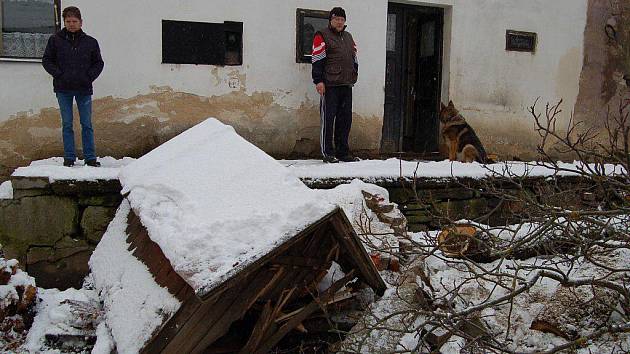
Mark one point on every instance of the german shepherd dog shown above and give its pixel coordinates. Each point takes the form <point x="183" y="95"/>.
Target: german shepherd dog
<point x="462" y="141"/>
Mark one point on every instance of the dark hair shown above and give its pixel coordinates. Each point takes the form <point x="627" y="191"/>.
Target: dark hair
<point x="71" y="11"/>
<point x="337" y="11"/>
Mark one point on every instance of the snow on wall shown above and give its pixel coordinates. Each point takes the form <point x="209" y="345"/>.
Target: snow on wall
<point x="215" y="203"/>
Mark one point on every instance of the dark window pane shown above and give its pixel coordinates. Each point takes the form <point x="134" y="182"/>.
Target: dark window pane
<point x="26" y="26"/>
<point x="202" y="43"/>
<point x="311" y="25"/>
<point x="308" y="22"/>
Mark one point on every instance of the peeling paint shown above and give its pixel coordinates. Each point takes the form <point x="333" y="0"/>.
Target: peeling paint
<point x="133" y="126"/>
<point x="601" y="80"/>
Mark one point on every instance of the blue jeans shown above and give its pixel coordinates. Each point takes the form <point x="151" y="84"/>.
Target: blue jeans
<point x="84" y="104"/>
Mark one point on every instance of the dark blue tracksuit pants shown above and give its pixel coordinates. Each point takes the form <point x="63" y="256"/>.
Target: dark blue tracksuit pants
<point x="336" y="120"/>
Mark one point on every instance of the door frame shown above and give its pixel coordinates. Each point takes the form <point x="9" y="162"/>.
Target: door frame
<point x="414" y="10"/>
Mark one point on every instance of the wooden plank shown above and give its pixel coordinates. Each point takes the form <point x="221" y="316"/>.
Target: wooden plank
<point x="281" y="249"/>
<point x="149" y="253"/>
<point x="304" y="262"/>
<point x="173" y="282"/>
<point x="355" y="251"/>
<point x="188" y="334"/>
<point x="280" y="272"/>
<point x="229" y="309"/>
<point x="271" y="341"/>
<point x="163" y="337"/>
<point x="259" y="331"/>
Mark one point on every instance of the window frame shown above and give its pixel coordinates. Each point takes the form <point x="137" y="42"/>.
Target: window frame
<point x="300" y="14"/>
<point x="533" y="36"/>
<point x="57" y="25"/>
<point x="218" y="29"/>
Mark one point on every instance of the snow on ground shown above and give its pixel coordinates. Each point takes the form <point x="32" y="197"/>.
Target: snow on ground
<point x="447" y="274"/>
<point x="54" y="169"/>
<point x="55" y="317"/>
<point x="363" y="220"/>
<point x="6" y="190"/>
<point x="392" y="169"/>
<point x="366" y="170"/>
<point x="215" y="203"/>
<point x="134" y="304"/>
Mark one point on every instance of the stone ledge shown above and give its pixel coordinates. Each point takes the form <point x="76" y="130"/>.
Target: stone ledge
<point x="36" y="186"/>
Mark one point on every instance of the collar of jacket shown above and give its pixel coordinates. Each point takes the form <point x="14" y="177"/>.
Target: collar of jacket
<point x="64" y="33"/>
<point x="333" y="30"/>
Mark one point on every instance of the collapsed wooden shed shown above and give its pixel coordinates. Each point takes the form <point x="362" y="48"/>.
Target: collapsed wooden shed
<point x="273" y="289"/>
<point x="206" y="279"/>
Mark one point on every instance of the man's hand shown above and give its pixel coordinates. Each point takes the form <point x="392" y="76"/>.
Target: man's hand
<point x="321" y="88"/>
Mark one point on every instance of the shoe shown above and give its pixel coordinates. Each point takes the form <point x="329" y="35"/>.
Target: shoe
<point x="93" y="163"/>
<point x="68" y="163"/>
<point x="330" y="159"/>
<point x="348" y="158"/>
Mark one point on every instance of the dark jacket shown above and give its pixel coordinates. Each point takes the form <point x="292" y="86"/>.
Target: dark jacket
<point x="335" y="62"/>
<point x="74" y="61"/>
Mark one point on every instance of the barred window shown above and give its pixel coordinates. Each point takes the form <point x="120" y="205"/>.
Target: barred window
<point x="26" y="25"/>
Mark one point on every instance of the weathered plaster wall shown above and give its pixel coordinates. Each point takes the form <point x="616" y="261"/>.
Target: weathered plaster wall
<point x="140" y="102"/>
<point x="605" y="62"/>
<point x="493" y="87"/>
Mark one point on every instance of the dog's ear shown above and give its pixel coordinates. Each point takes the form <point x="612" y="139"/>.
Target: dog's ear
<point x="450" y="104"/>
<point x="442" y="106"/>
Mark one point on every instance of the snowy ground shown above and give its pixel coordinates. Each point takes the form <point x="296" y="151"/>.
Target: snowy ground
<point x="54" y="169"/>
<point x="55" y="315"/>
<point x="366" y="170"/>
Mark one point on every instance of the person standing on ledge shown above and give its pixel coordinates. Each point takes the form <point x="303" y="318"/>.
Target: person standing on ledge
<point x="335" y="70"/>
<point x="74" y="61"/>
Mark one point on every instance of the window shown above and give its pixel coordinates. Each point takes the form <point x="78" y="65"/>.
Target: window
<point x="308" y="22"/>
<point x="520" y="41"/>
<point x="26" y="25"/>
<point x="202" y="43"/>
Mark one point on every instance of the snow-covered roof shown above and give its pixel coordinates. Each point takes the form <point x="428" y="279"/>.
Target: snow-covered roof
<point x="215" y="203"/>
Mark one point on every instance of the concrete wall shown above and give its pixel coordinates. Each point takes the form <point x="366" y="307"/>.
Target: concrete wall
<point x="270" y="100"/>
<point x="602" y="84"/>
<point x="493" y="87"/>
<point x="139" y="102"/>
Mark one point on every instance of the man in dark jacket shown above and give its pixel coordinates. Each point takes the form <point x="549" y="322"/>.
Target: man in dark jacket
<point x="74" y="60"/>
<point x="335" y="70"/>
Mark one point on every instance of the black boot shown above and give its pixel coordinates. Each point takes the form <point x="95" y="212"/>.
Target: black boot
<point x="330" y="159"/>
<point x="93" y="163"/>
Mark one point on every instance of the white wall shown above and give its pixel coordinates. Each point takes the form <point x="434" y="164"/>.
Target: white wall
<point x="490" y="84"/>
<point x="129" y="34"/>
<point x="486" y="78"/>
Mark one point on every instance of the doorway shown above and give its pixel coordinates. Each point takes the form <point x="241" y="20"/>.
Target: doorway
<point x="413" y="78"/>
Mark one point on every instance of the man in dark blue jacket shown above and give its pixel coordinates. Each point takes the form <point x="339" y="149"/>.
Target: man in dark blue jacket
<point x="74" y="60"/>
